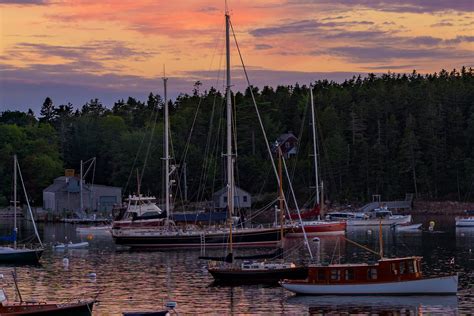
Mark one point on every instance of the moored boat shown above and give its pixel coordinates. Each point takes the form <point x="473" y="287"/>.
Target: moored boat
<point x="316" y="228"/>
<point x="373" y="218"/>
<point x="408" y="227"/>
<point x="71" y="245"/>
<point x="467" y="220"/>
<point x="389" y="276"/>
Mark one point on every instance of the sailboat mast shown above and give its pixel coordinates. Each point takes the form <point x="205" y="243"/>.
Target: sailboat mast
<point x="280" y="196"/>
<point x="166" y="158"/>
<point x="313" y="124"/>
<point x="15" y="229"/>
<point x="230" y="173"/>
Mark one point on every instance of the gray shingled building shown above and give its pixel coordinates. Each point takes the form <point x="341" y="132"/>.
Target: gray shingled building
<point x="242" y="199"/>
<point x="64" y="195"/>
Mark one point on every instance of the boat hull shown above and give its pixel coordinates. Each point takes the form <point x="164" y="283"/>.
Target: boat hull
<point x="21" y="256"/>
<point x="399" y="220"/>
<point x="269" y="276"/>
<point x="317" y="228"/>
<point x="430" y="286"/>
<point x="154" y="239"/>
<point x="404" y="228"/>
<point x="73" y="309"/>
<point x="465" y="222"/>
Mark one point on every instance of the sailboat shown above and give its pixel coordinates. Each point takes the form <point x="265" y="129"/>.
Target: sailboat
<point x="250" y="272"/>
<point x="171" y="236"/>
<point x="387" y="276"/>
<point x="315" y="227"/>
<point x="20" y="254"/>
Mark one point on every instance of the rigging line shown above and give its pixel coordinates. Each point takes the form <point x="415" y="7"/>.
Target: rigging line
<point x="149" y="145"/>
<point x="267" y="144"/>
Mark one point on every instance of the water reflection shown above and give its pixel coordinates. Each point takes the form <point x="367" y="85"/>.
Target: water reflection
<point x="385" y="305"/>
<point x="132" y="280"/>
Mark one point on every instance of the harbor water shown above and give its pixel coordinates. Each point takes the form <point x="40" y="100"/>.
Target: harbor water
<point x="124" y="280"/>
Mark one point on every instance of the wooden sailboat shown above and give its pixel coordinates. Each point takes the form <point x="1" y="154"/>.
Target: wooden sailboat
<point x="169" y="236"/>
<point x="73" y="308"/>
<point x="20" y="254"/>
<point x="388" y="276"/>
<point x="249" y="272"/>
<point x="316" y="227"/>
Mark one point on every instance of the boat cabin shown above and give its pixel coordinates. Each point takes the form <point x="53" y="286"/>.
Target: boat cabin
<point x="385" y="270"/>
<point x="142" y="207"/>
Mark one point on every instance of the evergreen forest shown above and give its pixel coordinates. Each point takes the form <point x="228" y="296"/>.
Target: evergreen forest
<point x="388" y="134"/>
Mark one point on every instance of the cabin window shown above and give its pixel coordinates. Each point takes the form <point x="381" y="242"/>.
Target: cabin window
<point x="411" y="267"/>
<point x="245" y="198"/>
<point x="393" y="268"/>
<point x="372" y="274"/>
<point x="402" y="267"/>
<point x="321" y="274"/>
<point x="349" y="274"/>
<point x="335" y="275"/>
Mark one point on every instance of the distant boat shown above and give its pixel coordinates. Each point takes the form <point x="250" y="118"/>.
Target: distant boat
<point x="408" y="227"/>
<point x="94" y="230"/>
<point x="372" y="218"/>
<point x="17" y="254"/>
<point x="170" y="306"/>
<point x="467" y="220"/>
<point x="71" y="245"/>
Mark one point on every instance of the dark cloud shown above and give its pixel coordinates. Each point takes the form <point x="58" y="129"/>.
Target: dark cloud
<point x="208" y="9"/>
<point x="424" y="40"/>
<point x="442" y="24"/>
<point x="303" y="26"/>
<point x="460" y="39"/>
<point x="414" y="6"/>
<point x="370" y="53"/>
<point x="262" y="46"/>
<point x="25" y="2"/>
<point x="391" y="67"/>
<point x="69" y="84"/>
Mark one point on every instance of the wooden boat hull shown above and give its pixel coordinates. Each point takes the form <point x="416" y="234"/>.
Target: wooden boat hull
<point x="46" y="309"/>
<point x="318" y="228"/>
<point x="269" y="276"/>
<point x="429" y="286"/>
<point x="265" y="237"/>
<point x="21" y="256"/>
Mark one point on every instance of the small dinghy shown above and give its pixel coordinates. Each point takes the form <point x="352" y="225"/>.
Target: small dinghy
<point x="170" y="306"/>
<point x="410" y="227"/>
<point x="71" y="245"/>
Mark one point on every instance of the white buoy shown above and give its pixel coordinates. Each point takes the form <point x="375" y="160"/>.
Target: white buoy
<point x="92" y="275"/>
<point x="65" y="262"/>
<point x="369" y="231"/>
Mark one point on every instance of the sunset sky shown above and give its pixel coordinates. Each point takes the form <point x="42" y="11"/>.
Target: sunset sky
<point x="75" y="50"/>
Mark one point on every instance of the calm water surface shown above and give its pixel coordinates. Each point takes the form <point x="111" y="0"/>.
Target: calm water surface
<point x="128" y="281"/>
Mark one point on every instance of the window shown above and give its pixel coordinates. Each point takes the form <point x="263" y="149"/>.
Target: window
<point x="335" y="275"/>
<point x="321" y="274"/>
<point x="287" y="145"/>
<point x="225" y="199"/>
<point x="245" y="198"/>
<point x="349" y="274"/>
<point x="372" y="274"/>
<point x="393" y="268"/>
<point x="411" y="267"/>
<point x="402" y="267"/>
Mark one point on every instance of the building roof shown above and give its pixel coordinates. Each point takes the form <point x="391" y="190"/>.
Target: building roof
<point x="60" y="184"/>
<point x="224" y="191"/>
<point x="284" y="137"/>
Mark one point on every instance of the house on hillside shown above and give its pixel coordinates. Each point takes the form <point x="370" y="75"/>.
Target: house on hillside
<point x="288" y="143"/>
<point x="64" y="195"/>
<point x="242" y="199"/>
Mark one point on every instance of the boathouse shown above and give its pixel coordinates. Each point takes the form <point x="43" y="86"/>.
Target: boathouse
<point x="242" y="199"/>
<point x="64" y="195"/>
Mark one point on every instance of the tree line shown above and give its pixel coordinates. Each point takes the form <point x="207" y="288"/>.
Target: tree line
<point x="389" y="134"/>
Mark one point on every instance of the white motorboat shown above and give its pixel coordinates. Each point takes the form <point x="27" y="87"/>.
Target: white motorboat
<point x="71" y="245"/>
<point x="467" y="220"/>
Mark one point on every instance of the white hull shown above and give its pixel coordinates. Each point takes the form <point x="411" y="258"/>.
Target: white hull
<point x="394" y="220"/>
<point x="465" y="222"/>
<point x="84" y="244"/>
<point x="94" y="230"/>
<point x="432" y="286"/>
<point x="405" y="228"/>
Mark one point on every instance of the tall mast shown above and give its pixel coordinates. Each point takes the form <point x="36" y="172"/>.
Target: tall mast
<point x="80" y="190"/>
<point x="230" y="173"/>
<point x="167" y="156"/>
<point x="313" y="123"/>
<point x="280" y="196"/>
<point x="15" y="229"/>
